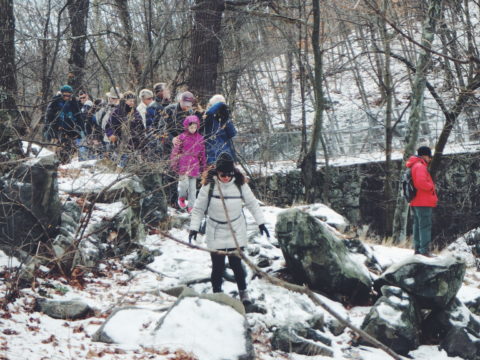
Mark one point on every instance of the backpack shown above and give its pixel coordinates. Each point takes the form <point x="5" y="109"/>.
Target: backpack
<point x="408" y="189"/>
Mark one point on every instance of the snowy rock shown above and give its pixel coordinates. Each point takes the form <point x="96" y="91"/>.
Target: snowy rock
<point x="67" y="310"/>
<point x="208" y="326"/>
<point x="301" y="340"/>
<point x="30" y="205"/>
<point x="394" y="320"/>
<point x="327" y="215"/>
<point x="128" y="325"/>
<point x="315" y="256"/>
<point x="457" y="328"/>
<point x="468" y="248"/>
<point x="355" y="246"/>
<point x="434" y="282"/>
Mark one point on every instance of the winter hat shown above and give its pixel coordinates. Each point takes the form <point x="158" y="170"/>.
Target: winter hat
<point x="145" y="94"/>
<point x="66" y="89"/>
<point x="187" y="98"/>
<point x="225" y="163"/>
<point x="215" y="99"/>
<point x="191" y="119"/>
<point x="129" y="95"/>
<point x="114" y="93"/>
<point x="424" y="150"/>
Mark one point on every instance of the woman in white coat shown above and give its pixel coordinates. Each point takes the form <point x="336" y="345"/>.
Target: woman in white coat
<point x="235" y="191"/>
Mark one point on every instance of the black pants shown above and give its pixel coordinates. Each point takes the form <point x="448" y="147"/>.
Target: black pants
<point x="218" y="267"/>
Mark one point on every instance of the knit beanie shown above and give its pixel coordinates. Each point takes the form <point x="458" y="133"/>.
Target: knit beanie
<point x="424" y="150"/>
<point x="66" y="89"/>
<point x="225" y="163"/>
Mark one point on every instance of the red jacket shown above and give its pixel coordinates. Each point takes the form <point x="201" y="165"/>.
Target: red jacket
<point x="426" y="195"/>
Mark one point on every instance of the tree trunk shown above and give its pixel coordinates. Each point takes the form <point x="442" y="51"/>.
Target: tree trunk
<point x="289" y="90"/>
<point x="135" y="69"/>
<point x="418" y="93"/>
<point x="207" y="20"/>
<point x="309" y="162"/>
<point x="78" y="14"/>
<point x="388" y="93"/>
<point x="8" y="82"/>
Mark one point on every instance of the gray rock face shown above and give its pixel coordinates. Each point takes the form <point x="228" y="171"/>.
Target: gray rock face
<point x="30" y="207"/>
<point x="457" y="328"/>
<point x="67" y="310"/>
<point x="316" y="257"/>
<point x="394" y="320"/>
<point x="301" y="340"/>
<point x="433" y="281"/>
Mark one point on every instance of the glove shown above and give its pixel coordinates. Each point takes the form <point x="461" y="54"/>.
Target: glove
<point x="192" y="235"/>
<point x="263" y="230"/>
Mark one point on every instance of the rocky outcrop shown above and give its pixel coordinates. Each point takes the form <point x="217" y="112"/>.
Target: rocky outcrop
<point x="357" y="192"/>
<point x="315" y="256"/>
<point x="394" y="320"/>
<point x="457" y="329"/>
<point x="433" y="282"/>
<point x="30" y="207"/>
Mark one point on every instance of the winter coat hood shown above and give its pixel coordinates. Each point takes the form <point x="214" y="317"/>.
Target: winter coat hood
<point x="191" y="119"/>
<point x="415" y="160"/>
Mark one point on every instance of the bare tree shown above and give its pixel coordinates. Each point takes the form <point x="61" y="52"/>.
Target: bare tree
<point x="205" y="55"/>
<point x="78" y="14"/>
<point x="309" y="162"/>
<point x="8" y="82"/>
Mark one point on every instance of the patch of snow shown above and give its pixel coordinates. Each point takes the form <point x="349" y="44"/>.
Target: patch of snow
<point x="8" y="261"/>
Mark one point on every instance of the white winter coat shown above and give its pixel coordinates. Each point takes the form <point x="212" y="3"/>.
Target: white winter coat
<point x="219" y="235"/>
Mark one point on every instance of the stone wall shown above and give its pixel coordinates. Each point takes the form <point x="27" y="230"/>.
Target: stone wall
<point x="356" y="192"/>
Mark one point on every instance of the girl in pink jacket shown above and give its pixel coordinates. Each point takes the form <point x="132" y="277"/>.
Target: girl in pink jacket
<point x="188" y="161"/>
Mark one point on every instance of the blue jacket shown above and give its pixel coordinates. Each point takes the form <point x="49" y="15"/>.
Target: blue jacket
<point x="63" y="118"/>
<point x="218" y="131"/>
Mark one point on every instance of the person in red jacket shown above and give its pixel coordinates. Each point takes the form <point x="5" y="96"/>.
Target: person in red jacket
<point x="424" y="201"/>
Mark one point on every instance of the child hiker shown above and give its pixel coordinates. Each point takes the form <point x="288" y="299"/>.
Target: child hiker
<point x="188" y="161"/>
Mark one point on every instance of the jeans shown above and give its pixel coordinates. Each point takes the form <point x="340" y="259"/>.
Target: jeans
<point x="218" y="267"/>
<point x="187" y="188"/>
<point x="422" y="228"/>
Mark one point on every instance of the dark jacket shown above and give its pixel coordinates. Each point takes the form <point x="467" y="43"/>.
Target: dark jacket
<point x="173" y="120"/>
<point x="126" y="123"/>
<point x="63" y="118"/>
<point x="92" y="129"/>
<point x="154" y="116"/>
<point x="426" y="195"/>
<point x="218" y="130"/>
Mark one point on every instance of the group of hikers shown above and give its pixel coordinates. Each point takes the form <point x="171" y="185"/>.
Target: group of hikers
<point x="192" y="140"/>
<point x="195" y="142"/>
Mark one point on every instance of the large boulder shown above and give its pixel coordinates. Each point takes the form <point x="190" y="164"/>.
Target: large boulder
<point x="433" y="281"/>
<point x="30" y="206"/>
<point x="468" y="248"/>
<point x="194" y="320"/>
<point x="457" y="329"/>
<point x="394" y="320"/>
<point x="315" y="256"/>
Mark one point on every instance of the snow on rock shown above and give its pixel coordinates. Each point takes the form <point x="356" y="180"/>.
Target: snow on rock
<point x="210" y="330"/>
<point x="324" y="213"/>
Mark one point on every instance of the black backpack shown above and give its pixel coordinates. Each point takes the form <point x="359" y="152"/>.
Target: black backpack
<point x="408" y="189"/>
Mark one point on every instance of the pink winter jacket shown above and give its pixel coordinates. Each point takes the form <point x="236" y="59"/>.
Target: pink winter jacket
<point x="188" y="158"/>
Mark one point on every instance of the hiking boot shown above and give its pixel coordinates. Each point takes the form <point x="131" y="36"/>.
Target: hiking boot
<point x="253" y="308"/>
<point x="244" y="298"/>
<point x="182" y="203"/>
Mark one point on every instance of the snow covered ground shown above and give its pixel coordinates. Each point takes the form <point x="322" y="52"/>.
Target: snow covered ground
<point x="26" y="334"/>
